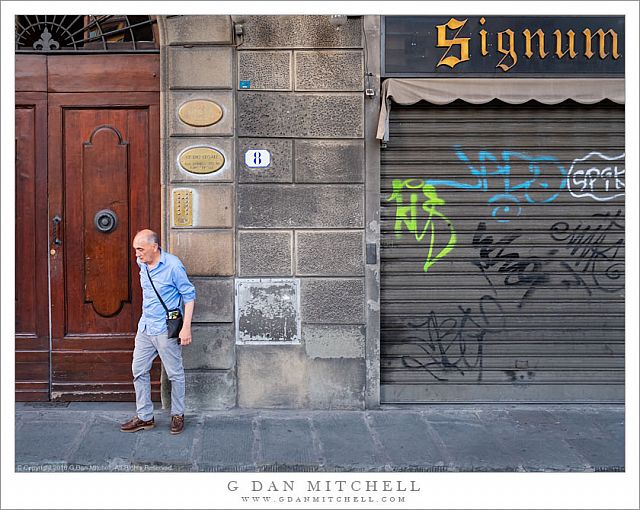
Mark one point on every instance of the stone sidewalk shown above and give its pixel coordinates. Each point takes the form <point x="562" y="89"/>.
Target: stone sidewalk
<point x="86" y="437"/>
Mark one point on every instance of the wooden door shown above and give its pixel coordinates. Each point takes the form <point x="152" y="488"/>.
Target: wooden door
<point x="103" y="186"/>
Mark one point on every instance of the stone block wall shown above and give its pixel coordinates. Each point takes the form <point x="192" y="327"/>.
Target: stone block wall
<point x="300" y="96"/>
<point x="198" y="64"/>
<point x="276" y="252"/>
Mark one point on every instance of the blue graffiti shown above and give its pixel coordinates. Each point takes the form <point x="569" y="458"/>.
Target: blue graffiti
<point x="544" y="181"/>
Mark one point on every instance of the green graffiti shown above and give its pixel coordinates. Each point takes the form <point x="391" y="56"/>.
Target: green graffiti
<point x="416" y="211"/>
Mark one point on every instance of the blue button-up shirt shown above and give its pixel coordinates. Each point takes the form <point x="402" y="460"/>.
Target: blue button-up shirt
<point x="170" y="278"/>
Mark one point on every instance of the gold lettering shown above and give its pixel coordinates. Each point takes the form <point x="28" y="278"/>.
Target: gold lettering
<point x="483" y="39"/>
<point x="528" y="37"/>
<point x="443" y="42"/>
<point x="588" y="38"/>
<point x="507" y="53"/>
<point x="571" y="47"/>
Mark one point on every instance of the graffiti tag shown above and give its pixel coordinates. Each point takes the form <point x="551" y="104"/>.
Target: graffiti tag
<point x="545" y="179"/>
<point x="495" y="255"/>
<point x="599" y="180"/>
<point x="417" y="211"/>
<point x="594" y="250"/>
<point x="455" y="344"/>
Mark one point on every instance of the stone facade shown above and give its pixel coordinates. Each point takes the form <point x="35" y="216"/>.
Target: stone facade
<point x="294" y="90"/>
<point x="197" y="57"/>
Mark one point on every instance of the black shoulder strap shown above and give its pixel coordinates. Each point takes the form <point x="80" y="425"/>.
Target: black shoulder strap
<point x="154" y="288"/>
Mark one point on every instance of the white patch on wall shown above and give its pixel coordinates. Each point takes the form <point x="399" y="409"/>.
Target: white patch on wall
<point x="597" y="176"/>
<point x="268" y="311"/>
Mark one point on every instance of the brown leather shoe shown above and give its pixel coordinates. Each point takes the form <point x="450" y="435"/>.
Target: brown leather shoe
<point x="177" y="423"/>
<point x="135" y="424"/>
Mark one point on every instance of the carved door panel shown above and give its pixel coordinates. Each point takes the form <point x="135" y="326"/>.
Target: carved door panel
<point x="104" y="186"/>
<point x="31" y="298"/>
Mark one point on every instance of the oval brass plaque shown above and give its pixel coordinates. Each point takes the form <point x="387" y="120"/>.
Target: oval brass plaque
<point x="200" y="113"/>
<point x="201" y="160"/>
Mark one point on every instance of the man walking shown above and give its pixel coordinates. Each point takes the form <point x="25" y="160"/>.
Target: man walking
<point x="166" y="272"/>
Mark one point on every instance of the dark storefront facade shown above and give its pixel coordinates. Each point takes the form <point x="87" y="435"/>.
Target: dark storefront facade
<point x="502" y="210"/>
<point x="374" y="210"/>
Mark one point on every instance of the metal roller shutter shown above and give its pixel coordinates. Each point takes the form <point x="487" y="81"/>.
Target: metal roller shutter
<point x="502" y="253"/>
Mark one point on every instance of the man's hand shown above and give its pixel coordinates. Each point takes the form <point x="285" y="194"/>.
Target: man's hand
<point x="185" y="335"/>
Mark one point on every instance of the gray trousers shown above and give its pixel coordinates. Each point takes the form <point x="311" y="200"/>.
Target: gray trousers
<point x="146" y="349"/>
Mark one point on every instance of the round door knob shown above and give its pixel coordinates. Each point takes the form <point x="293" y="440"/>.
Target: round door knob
<point x="105" y="220"/>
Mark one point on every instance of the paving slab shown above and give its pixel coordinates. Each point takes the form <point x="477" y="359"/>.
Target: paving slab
<point x="545" y="454"/>
<point x="158" y="447"/>
<point x="116" y="407"/>
<point x="435" y="414"/>
<point x="574" y="425"/>
<point x="469" y="446"/>
<point x="24" y="406"/>
<point x="346" y="442"/>
<point x="610" y="422"/>
<point x="46" y="441"/>
<point x="600" y="454"/>
<point x="103" y="444"/>
<point x="502" y="425"/>
<point x="547" y="445"/>
<point x="286" y="444"/>
<point x="406" y="439"/>
<point x="227" y="444"/>
<point x="525" y="417"/>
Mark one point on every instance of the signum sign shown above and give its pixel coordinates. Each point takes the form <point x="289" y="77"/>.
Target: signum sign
<point x="450" y="46"/>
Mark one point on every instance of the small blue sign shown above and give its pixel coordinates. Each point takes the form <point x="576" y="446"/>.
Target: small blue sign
<point x="245" y="84"/>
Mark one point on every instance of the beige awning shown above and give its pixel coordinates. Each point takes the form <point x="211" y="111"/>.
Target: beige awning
<point x="407" y="91"/>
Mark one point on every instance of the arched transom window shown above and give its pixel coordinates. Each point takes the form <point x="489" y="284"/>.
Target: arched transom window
<point x="85" y="33"/>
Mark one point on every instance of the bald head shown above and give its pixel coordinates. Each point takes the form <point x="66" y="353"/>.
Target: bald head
<point x="147" y="246"/>
<point x="147" y="236"/>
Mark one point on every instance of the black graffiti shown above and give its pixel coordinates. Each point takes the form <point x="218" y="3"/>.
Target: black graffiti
<point x="456" y="343"/>
<point x="594" y="250"/>
<point x="496" y="255"/>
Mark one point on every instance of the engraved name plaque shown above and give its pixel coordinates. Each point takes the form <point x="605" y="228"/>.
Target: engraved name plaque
<point x="200" y="113"/>
<point x="201" y="160"/>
